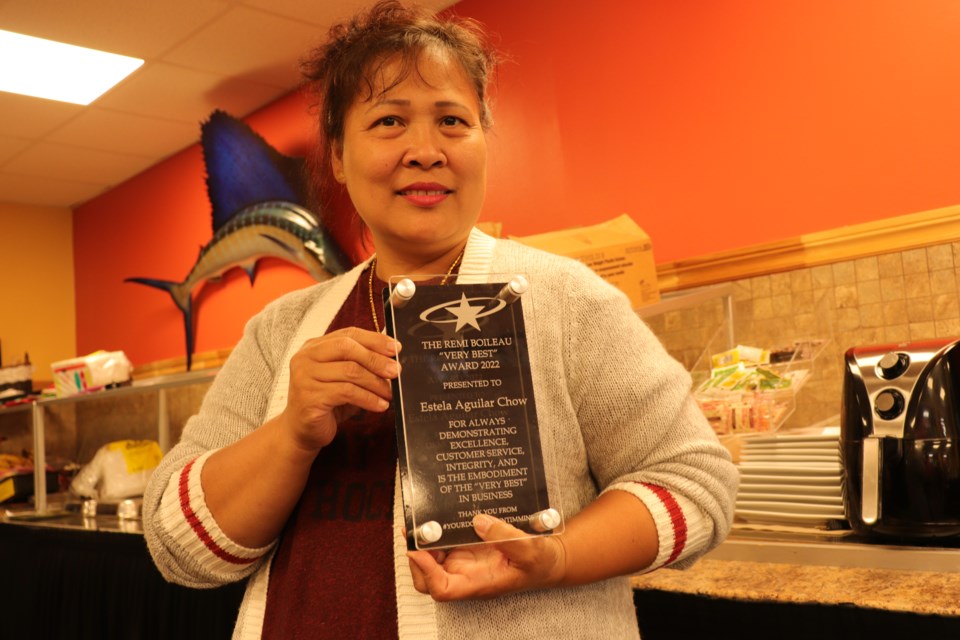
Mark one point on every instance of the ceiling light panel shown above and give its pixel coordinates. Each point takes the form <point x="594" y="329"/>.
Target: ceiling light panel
<point x="57" y="71"/>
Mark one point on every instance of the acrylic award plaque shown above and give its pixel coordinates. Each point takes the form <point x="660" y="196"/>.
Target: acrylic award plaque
<point x="467" y="433"/>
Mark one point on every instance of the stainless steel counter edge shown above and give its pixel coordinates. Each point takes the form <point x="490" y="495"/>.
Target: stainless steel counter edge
<point x="839" y="553"/>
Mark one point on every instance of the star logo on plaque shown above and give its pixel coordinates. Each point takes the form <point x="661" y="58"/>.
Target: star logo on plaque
<point x="464" y="313"/>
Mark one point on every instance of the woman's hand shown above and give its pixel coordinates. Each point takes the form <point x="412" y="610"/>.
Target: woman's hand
<point x="518" y="563"/>
<point x="333" y="376"/>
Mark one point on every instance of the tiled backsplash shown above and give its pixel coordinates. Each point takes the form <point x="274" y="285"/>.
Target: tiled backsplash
<point x="894" y="297"/>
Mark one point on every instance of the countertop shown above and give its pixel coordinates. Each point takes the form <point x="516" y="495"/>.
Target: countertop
<point x="60" y="518"/>
<point x="726" y="575"/>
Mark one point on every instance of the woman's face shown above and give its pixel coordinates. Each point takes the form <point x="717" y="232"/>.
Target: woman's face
<point x="414" y="158"/>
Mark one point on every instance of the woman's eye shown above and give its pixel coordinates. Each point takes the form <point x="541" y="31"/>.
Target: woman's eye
<point x="451" y="121"/>
<point x="388" y="121"/>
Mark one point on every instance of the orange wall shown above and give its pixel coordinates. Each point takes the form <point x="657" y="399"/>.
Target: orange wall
<point x="37" y="309"/>
<point x="727" y="123"/>
<point x="716" y="125"/>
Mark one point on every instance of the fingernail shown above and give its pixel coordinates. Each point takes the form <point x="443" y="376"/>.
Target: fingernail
<point x="482" y="523"/>
<point x="397" y="346"/>
<point x="392" y="368"/>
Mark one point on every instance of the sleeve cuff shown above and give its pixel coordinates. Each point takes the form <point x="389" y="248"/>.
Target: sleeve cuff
<point x="683" y="533"/>
<point x="187" y="520"/>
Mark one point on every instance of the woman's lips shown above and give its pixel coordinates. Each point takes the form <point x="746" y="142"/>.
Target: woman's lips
<point x="425" y="194"/>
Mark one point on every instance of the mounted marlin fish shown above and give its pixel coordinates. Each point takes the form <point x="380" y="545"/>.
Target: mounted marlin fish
<point x="257" y="196"/>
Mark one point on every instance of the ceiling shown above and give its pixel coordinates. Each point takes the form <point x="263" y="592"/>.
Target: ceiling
<point x="235" y="55"/>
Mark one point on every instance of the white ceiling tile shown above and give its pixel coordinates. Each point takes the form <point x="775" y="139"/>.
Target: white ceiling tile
<point x="128" y="27"/>
<point x="10" y="147"/>
<point x="186" y="95"/>
<point x="48" y="192"/>
<point x="33" y="117"/>
<point x="316" y="13"/>
<point x="79" y="163"/>
<point x="324" y="13"/>
<point x="250" y="45"/>
<point x="125" y="133"/>
<point x="239" y="97"/>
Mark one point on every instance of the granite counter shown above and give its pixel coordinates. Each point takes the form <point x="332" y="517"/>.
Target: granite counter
<point x="921" y="592"/>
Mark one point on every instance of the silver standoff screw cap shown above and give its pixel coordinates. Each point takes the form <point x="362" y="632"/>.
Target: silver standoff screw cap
<point x="406" y="288"/>
<point x="429" y="532"/>
<point x="519" y="285"/>
<point x="546" y="520"/>
<point x="402" y="292"/>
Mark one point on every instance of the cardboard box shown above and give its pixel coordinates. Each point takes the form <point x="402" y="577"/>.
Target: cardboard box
<point x="618" y="250"/>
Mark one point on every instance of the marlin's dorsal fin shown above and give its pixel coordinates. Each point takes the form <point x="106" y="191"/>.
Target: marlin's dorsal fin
<point x="243" y="169"/>
<point x="251" y="269"/>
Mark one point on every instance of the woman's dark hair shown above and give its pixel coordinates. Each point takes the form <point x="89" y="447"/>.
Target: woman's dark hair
<point x="356" y="50"/>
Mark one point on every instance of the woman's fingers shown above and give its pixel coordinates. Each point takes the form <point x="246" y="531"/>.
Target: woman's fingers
<point x="519" y="546"/>
<point x="425" y="570"/>
<point x="540" y="559"/>
<point x="343" y="345"/>
<point x="433" y="578"/>
<point x="492" y="529"/>
<point x="333" y="376"/>
<point x="419" y="582"/>
<point x="349" y="378"/>
<point x="345" y="363"/>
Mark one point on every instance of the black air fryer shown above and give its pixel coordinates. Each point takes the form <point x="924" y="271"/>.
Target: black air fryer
<point x="899" y="439"/>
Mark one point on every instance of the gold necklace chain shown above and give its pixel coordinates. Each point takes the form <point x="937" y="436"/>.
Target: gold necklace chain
<point x="373" y="269"/>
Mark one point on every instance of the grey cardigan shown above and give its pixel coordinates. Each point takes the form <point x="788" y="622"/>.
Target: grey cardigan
<point x="615" y="413"/>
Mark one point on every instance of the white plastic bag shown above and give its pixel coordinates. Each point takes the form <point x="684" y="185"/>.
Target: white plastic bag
<point x="118" y="470"/>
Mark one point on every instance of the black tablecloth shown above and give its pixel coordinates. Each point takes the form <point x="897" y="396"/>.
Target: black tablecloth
<point x="68" y="583"/>
<point x="679" y="616"/>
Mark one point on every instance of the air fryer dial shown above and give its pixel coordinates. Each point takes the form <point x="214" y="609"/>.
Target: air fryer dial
<point x="889" y="404"/>
<point x="893" y="364"/>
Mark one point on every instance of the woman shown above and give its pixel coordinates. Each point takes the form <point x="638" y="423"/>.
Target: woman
<point x="287" y="473"/>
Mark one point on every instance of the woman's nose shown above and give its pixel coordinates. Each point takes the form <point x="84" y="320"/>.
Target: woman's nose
<point x="424" y="151"/>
